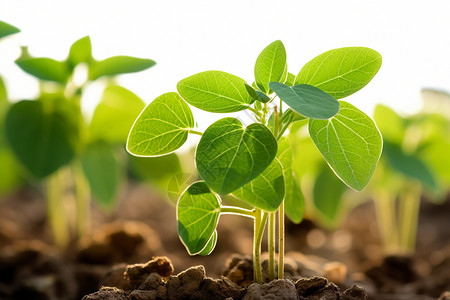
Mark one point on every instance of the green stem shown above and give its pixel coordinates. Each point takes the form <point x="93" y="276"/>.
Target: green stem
<point x="281" y="241"/>
<point x="263" y="118"/>
<point x="195" y="132"/>
<point x="254" y="111"/>
<point x="82" y="194"/>
<point x="409" y="217"/>
<point x="54" y="186"/>
<point x="260" y="224"/>
<point x="234" y="210"/>
<point x="386" y="216"/>
<point x="271" y="245"/>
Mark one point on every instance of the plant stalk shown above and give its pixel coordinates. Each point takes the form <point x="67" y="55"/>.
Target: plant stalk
<point x="409" y="217"/>
<point x="82" y="194"/>
<point x="271" y="245"/>
<point x="234" y="210"/>
<point x="386" y="216"/>
<point x="54" y="191"/>
<point x="281" y="241"/>
<point x="260" y="224"/>
<point x="195" y="132"/>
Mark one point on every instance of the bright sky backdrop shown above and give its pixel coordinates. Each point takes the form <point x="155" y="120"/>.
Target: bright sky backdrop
<point x="186" y="37"/>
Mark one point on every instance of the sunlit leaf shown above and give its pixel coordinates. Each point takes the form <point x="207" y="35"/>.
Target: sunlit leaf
<point x="197" y="213"/>
<point x="351" y="144"/>
<point x="215" y="91"/>
<point x="294" y="200"/>
<point x="290" y="79"/>
<point x="118" y="65"/>
<point x="270" y="65"/>
<point x="103" y="172"/>
<point x="228" y="156"/>
<point x="211" y="245"/>
<point x="80" y="51"/>
<point x="391" y="125"/>
<point x="7" y="29"/>
<point x="307" y="100"/>
<point x="162" y="127"/>
<point x="115" y="114"/>
<point x="266" y="191"/>
<point x="43" y="135"/>
<point x="341" y="72"/>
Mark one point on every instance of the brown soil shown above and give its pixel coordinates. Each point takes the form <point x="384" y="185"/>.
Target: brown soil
<point x="319" y="264"/>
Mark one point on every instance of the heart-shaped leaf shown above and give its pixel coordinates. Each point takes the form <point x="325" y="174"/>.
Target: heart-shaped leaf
<point x="115" y="114"/>
<point x="228" y="156"/>
<point x="198" y="212"/>
<point x="118" y="65"/>
<point x="341" y="72"/>
<point x="162" y="127"/>
<point x="294" y="201"/>
<point x="266" y="191"/>
<point x="43" y="136"/>
<point x="270" y="65"/>
<point x="351" y="144"/>
<point x="307" y="100"/>
<point x="215" y="91"/>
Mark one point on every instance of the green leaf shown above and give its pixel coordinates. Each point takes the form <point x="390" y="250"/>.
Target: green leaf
<point x="162" y="127"/>
<point x="294" y="201"/>
<point x="80" y="51"/>
<point x="257" y="95"/>
<point x="215" y="91"/>
<point x="211" y="245"/>
<point x="10" y="175"/>
<point x="270" y="65"/>
<point x="341" y="72"/>
<point x="178" y="184"/>
<point x="7" y="29"/>
<point x="391" y="125"/>
<point x="290" y="79"/>
<point x="44" y="68"/>
<point x="327" y="195"/>
<point x="115" y="114"/>
<point x="103" y="172"/>
<point x="228" y="156"/>
<point x="198" y="212"/>
<point x="266" y="191"/>
<point x="408" y="164"/>
<point x="43" y="135"/>
<point x="351" y="144"/>
<point x="435" y="155"/>
<point x="3" y="94"/>
<point x="307" y="100"/>
<point x="118" y="65"/>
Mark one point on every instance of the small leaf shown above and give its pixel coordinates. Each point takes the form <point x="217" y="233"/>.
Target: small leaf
<point x="290" y="79"/>
<point x="7" y="29"/>
<point x="408" y="164"/>
<point x="118" y="65"/>
<point x="103" y="172"/>
<point x="307" y="100"/>
<point x="351" y="144"/>
<point x="197" y="213"/>
<point x="43" y="136"/>
<point x="228" y="156"/>
<point x="257" y="95"/>
<point x="270" y="65"/>
<point x="80" y="51"/>
<point x="115" y="114"/>
<point x="327" y="195"/>
<point x="341" y="72"/>
<point x="161" y="128"/>
<point x="391" y="125"/>
<point x="211" y="245"/>
<point x="266" y="191"/>
<point x="44" y="68"/>
<point x="294" y="201"/>
<point x="215" y="91"/>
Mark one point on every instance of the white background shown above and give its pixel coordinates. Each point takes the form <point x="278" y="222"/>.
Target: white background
<point x="186" y="37"/>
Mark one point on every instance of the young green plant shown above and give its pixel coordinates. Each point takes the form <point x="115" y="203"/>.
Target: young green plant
<point x="254" y="163"/>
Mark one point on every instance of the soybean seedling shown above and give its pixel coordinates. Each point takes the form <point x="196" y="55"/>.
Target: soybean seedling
<point x="254" y="163"/>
